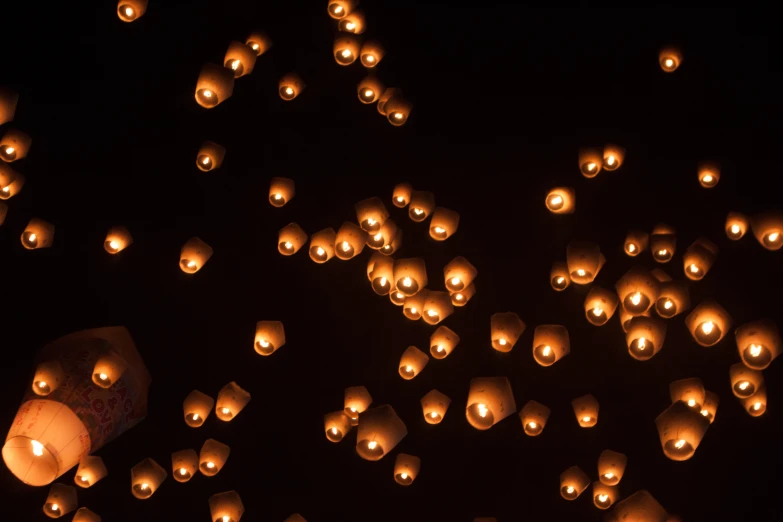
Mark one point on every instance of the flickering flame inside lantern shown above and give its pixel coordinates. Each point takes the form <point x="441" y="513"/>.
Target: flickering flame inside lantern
<point x="597" y="311"/>
<point x="346" y="246"/>
<point x="114" y="245"/>
<point x="580" y="272"/>
<point x="757" y="406"/>
<point x="334" y="431"/>
<point x="735" y="229"/>
<point x="570" y="489"/>
<point x="370" y="58"/>
<point x="289" y="91"/>
<point x="210" y="465"/>
<point x="418" y="211"/>
<point x="195" y="416"/>
<point x="368" y="93"/>
<point x="705" y="413"/>
<point x="591" y="167"/>
<point x="707" y="327"/>
<point x="482" y="408"/>
<point x="679" y="444"/>
<point x="407" y="282"/>
<point x="42" y="384"/>
<point x="707" y="178"/>
<point x="668" y="304"/>
<point x="205" y="161"/>
<point x="350" y="26"/>
<point x="338" y="9"/>
<point x="773" y="236"/>
<point x="455" y="281"/>
<point x="432" y="313"/>
<point x="103" y="376"/>
<point x="502" y="342"/>
<point x="556" y="200"/>
<point x="560" y="280"/>
<point x="691" y="402"/>
<point x="207" y="93"/>
<point x="372" y="444"/>
<point x="226" y="411"/>
<point x="440" y="230"/>
<point x="320" y="251"/>
<point x="398" y="116"/>
<point x="55" y="507"/>
<point x="264" y="343"/>
<point x="371" y="222"/>
<point x="636" y="298"/>
<point x="546" y="351"/>
<point x="744" y="385"/>
<point x="609" y="476"/>
<point x="191" y="264"/>
<point x="641" y="343"/>
<point x="532" y="425"/>
<point x="403" y="476"/>
<point x="37" y="448"/>
<point x="353" y="410"/>
<point x="255" y="47"/>
<point x="400" y="296"/>
<point x="226" y="518"/>
<point x="459" y="297"/>
<point x="84" y="479"/>
<point x="128" y="12"/>
<point x="663" y="252"/>
<point x="145" y="486"/>
<point x="610" y="160"/>
<point x="755" y="350"/>
<point x="235" y="65"/>
<point x="693" y="268"/>
<point x="631" y="247"/>
<point x="433" y="414"/>
<point x="346" y="53"/>
<point x="408" y="369"/>
<point x="6" y="189"/>
<point x="400" y="199"/>
<point x="9" y="150"/>
<point x="288" y="245"/>
<point x="586" y="418"/>
<point x="31" y="238"/>
<point x="603" y="498"/>
<point x="383" y="281"/>
<point x="668" y="62"/>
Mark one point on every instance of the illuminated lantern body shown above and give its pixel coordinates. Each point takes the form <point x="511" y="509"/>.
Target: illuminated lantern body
<point x="744" y="381"/>
<point x="184" y="465"/>
<point x="3" y="212"/>
<point x="561" y="200"/>
<point x="322" y="245"/>
<point x="673" y="299"/>
<point x="270" y="337"/>
<point x="584" y="261"/>
<point x="442" y="342"/>
<point x="645" y="337"/>
<point x="131" y="10"/>
<point x="505" y="330"/>
<point x="231" y="400"/>
<point x="146" y="478"/>
<point x="60" y="501"/>
<point x="708" y="323"/>
<point x="197" y="407"/>
<point x="586" y="410"/>
<point x="756" y="405"/>
<point x="758" y="343"/>
<point x="387" y="95"/>
<point x="600" y="305"/>
<point x="768" y="229"/>
<point x="638" y="290"/>
<point x="534" y="416"/>
<point x="573" y="482"/>
<point x="680" y="429"/>
<point x="370" y="89"/>
<point x="490" y="400"/>
<point x="258" y="42"/>
<point x="639" y="507"/>
<point x="401" y="195"/>
<point x="350" y="241"/>
<point x="194" y="255"/>
<point x="371" y="214"/>
<point x="14" y="145"/>
<point x="382" y="275"/>
<point x="85" y="515"/>
<point x="357" y="400"/>
<point x="669" y="59"/>
<point x="8" y="101"/>
<point x="559" y="277"/>
<point x="690" y="391"/>
<point x="380" y="430"/>
<point x="281" y="191"/>
<point x="437" y="307"/>
<point x="11" y="182"/>
<point x="215" y="85"/>
<point x="390" y="248"/>
<point x="226" y="507"/>
<point x="290" y="86"/>
<point x="550" y="344"/>
<point x="421" y="205"/>
<point x="339" y="9"/>
<point x="48" y="377"/>
<point x="604" y="496"/>
<point x="459" y="274"/>
<point x="37" y="234"/>
<point x="398" y="110"/>
<point x="736" y="225"/>
<point x="444" y="223"/>
<point x="372" y="53"/>
<point x="611" y="467"/>
<point x="346" y="49"/>
<point x="210" y="156"/>
<point x="710" y="407"/>
<point x="212" y="457"/>
<point x="410" y="275"/>
<point x="590" y="162"/>
<point x="663" y="243"/>
<point x="91" y="469"/>
<point x="385" y="236"/>
<point x="434" y="406"/>
<point x="636" y="242"/>
<point x="336" y="425"/>
<point x="240" y="59"/>
<point x="117" y="240"/>
<point x="353" y="22"/>
<point x="699" y="258"/>
<point x="709" y="174"/>
<point x="290" y="239"/>
<point x="406" y="468"/>
<point x="461" y="298"/>
<point x="412" y="362"/>
<point x="614" y="156"/>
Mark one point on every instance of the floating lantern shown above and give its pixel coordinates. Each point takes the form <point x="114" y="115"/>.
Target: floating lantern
<point x="673" y="299"/>
<point x="437" y="307"/>
<point x="586" y="411"/>
<point x="290" y="239"/>
<point x="3" y="212"/>
<point x="636" y="242"/>
<point x="290" y="86"/>
<point x="412" y="362"/>
<point x="336" y="425"/>
<point x="421" y="205"/>
<point x="638" y="290"/>
<point x="60" y="501"/>
<point x="85" y="515"/>
<point x="380" y="430"/>
<point x="117" y="240"/>
<point x="639" y="507"/>
<point x="663" y="241"/>
<point x="401" y="195"/>
<point x="215" y="85"/>
<point x="490" y="400"/>
<point x="768" y="229"/>
<point x="645" y="337"/>
<point x="37" y="234"/>
<point x="573" y="482"/>
<point x="757" y="404"/>
<point x="322" y="245"/>
<point x="231" y="400"/>
<point x="744" y="381"/>
<point x="49" y="376"/>
<point x="559" y="277"/>
<point x="708" y="323"/>
<point x="710" y="407"/>
<point x="550" y="344"/>
<point x="390" y="248"/>
<point x="709" y="174"/>
<point x="8" y="101"/>
<point x="384" y="236"/>
<point x="604" y="496"/>
<point x="412" y="306"/>
<point x="406" y="468"/>
<point x="146" y="478"/>
<point x="505" y="330"/>
<point x="434" y="406"/>
<point x="11" y="182"/>
<point x="758" y="343"/>
<point x="197" y="407"/>
<point x="339" y="9"/>
<point x="108" y="368"/>
<point x="281" y="191"/>
<point x="681" y="429"/>
<point x="600" y="305"/>
<point x="213" y="457"/>
<point x="184" y="465"/>
<point x="350" y="241"/>
<point x="442" y="342"/>
<point x="611" y="467"/>
<point x="669" y="58"/>
<point x="699" y="258"/>
<point x="270" y="337"/>
<point x="346" y="49"/>
<point x="370" y="89"/>
<point x="258" y="42"/>
<point x="690" y="391"/>
<point x="371" y="214"/>
<point x="131" y="10"/>
<point x="590" y="162"/>
<point x="357" y="400"/>
<point x="459" y="274"/>
<point x="210" y="156"/>
<point x="194" y="255"/>
<point x="398" y="110"/>
<point x="410" y="275"/>
<point x="736" y="225"/>
<point x="561" y="200"/>
<point x="240" y="59"/>
<point x="534" y="416"/>
<point x="461" y="298"/>
<point x="444" y="223"/>
<point x="382" y="276"/>
<point x="614" y="156"/>
<point x="14" y="145"/>
<point x="353" y="22"/>
<point x="372" y="53"/>
<point x="625" y="317"/>
<point x="91" y="469"/>
<point x="584" y="261"/>
<point x="387" y="95"/>
<point x="226" y="507"/>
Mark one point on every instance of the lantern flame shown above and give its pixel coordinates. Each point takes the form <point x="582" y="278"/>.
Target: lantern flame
<point x="570" y="489"/>
<point x="735" y="229"/>
<point x="610" y="160"/>
<point x="372" y="444"/>
<point x="663" y="252"/>
<point x="560" y="280"/>
<point x="532" y="425"/>
<point x="641" y="344"/>
<point x="400" y="296"/>
<point x="42" y="384"/>
<point x="609" y="476"/>
<point x="407" y="282"/>
<point x="432" y="313"/>
<point x="338" y="9"/>
<point x="346" y="53"/>
<point x="636" y="298"/>
<point x="128" y="11"/>
<point x="744" y="385"/>
<point x="757" y="406"/>
<point x="398" y="116"/>
<point x="433" y="414"/>
<point x="235" y="65"/>
<point x="691" y="402"/>
<point x="350" y="26"/>
<point x="346" y="246"/>
<point x="603" y="498"/>
<point x="210" y="465"/>
<point x="114" y="245"/>
<point x="708" y="327"/>
<point x="482" y="408"/>
<point x="370" y="58"/>
<point x="580" y="272"/>
<point x="183" y="471"/>
<point x="556" y="200"/>
<point x="371" y="222"/>
<point x="409" y="369"/>
<point x="289" y="91"/>
<point x="10" y="150"/>
<point x="205" y="161"/>
<point x="37" y="448"/>
<point x="631" y="247"/>
<point x="546" y="351"/>
<point x="353" y="410"/>
<point x="6" y="189"/>
<point x="55" y="507"/>
<point x="502" y="342"/>
<point x="693" y="268"/>
<point x="440" y="230"/>
<point x="207" y="93"/>
<point x="103" y="376"/>
<point x="383" y="281"/>
<point x="288" y="245"/>
<point x="455" y="281"/>
<point x="591" y="167"/>
<point x="145" y="486"/>
<point x="368" y="93"/>
<point x="264" y="343"/>
<point x="320" y="251"/>
<point x="334" y="431"/>
<point x="705" y="413"/>
<point x="418" y="211"/>
<point x="669" y="62"/>
<point x="191" y="264"/>
<point x="32" y="238"/>
<point x="226" y="411"/>
<point x="668" y="304"/>
<point x="459" y="297"/>
<point x="255" y="47"/>
<point x="755" y="350"/>
<point x="597" y="311"/>
<point x="773" y="236"/>
<point x="586" y="418"/>
<point x="403" y="476"/>
<point x="195" y="416"/>
<point x="400" y="199"/>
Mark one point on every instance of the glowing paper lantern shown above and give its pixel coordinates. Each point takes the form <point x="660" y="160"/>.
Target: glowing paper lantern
<point x="663" y="242"/>
<point x="197" y="407"/>
<point x="669" y="59"/>
<point x="645" y="337"/>
<point x="584" y="261"/>
<point x="184" y="465"/>
<point x="11" y="182"/>
<point x="240" y="59"/>
<point x="281" y="191"/>
<point x="736" y="225"/>
<point x="604" y="496"/>
<point x="410" y="276"/>
<point x="370" y="89"/>
<point x="611" y="467"/>
<point x="258" y="42"/>
<point x="673" y="299"/>
<point x="709" y="174"/>
<point x="146" y="478"/>
<point x="638" y="290"/>
<point x="406" y="469"/>
<point x="636" y="242"/>
<point x="699" y="258"/>
<point x="339" y="9"/>
<point x="386" y="235"/>
<point x="759" y="343"/>
<point x="48" y="377"/>
<point x="690" y="391"/>
<point x="434" y="406"/>
<point x="91" y="469"/>
<point x="322" y="245"/>
<point x="213" y="457"/>
<point x="461" y="298"/>
<point x="444" y="223"/>
<point x="387" y="95"/>
<point x="117" y="240"/>
<point x="270" y="337"/>
<point x="37" y="234"/>
<point x="8" y="101"/>
<point x="639" y="507"/>
<point x="442" y="342"/>
<point x="290" y="86"/>
<point x="3" y="212"/>
<point x="710" y="407"/>
<point x="231" y="400"/>
<point x="559" y="277"/>
<point x="85" y="515"/>
<point x="600" y="305"/>
<point x="290" y="239"/>
<point x="768" y="229"/>
<point x="561" y="200"/>
<point x="421" y="205"/>
<point x="680" y="430"/>
<point x="390" y="248"/>
<point x="372" y="53"/>
<point x="490" y="400"/>
<point x="437" y="307"/>
<point x="586" y="410"/>
<point x="60" y="501"/>
<point x="412" y="362"/>
<point x="708" y="323"/>
<point x="614" y="156"/>
<point x="350" y="241"/>
<point x="371" y="214"/>
<point x="215" y="85"/>
<point x="226" y="507"/>
<point x="398" y="110"/>
<point x="401" y="195"/>
<point x="210" y="156"/>
<point x="590" y="162"/>
<point x="550" y="344"/>
<point x="14" y="145"/>
<point x="131" y="10"/>
<point x="573" y="482"/>
<point x="353" y="22"/>
<point x="357" y="400"/>
<point x="108" y="368"/>
<point x="534" y="416"/>
<point x="194" y="255"/>
<point x="382" y="275"/>
<point x="346" y="49"/>
<point x="744" y="381"/>
<point x="380" y="430"/>
<point x="505" y="330"/>
<point x="336" y="425"/>
<point x="459" y="274"/>
<point x="757" y="404"/>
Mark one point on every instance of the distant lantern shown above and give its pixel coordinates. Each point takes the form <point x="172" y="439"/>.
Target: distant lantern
<point x="614" y="156"/>
<point x="398" y="110"/>
<point x="708" y="323"/>
<point x="369" y="89"/>
<point x="534" y="416"/>
<point x="117" y="240"/>
<point x="625" y="317"/>
<point x="194" y="255"/>
<point x="91" y="469"/>
<point x="14" y="145"/>
<point x="231" y="400"/>
<point x="146" y="478"/>
<point x="406" y="469"/>
<point x="573" y="482"/>
<point x="240" y="59"/>
<point x="638" y="290"/>
<point x="322" y="245"/>
<point x="390" y="248"/>
<point x="184" y="465"/>
<point x="350" y="241"/>
<point x="490" y="400"/>
<point x="669" y="58"/>
<point x="371" y="213"/>
<point x="346" y="49"/>
<point x="645" y="337"/>
<point x="60" y="501"/>
<point x="290" y="86"/>
<point x="611" y="467"/>
<point x="270" y="337"/>
<point x="339" y="9"/>
<point x="380" y="430"/>
<point x="639" y="507"/>
<point x="462" y="297"/>
<point x="559" y="277"/>
<point x="600" y="305"/>
<point x="8" y="101"/>
<point x="437" y="307"/>
<point x="215" y="85"/>
<point x="401" y="195"/>
<point x="336" y="425"/>
<point x="584" y="261"/>
<point x="421" y="205"/>
<point x="210" y="156"/>
<point x="680" y="430"/>
<point x="226" y="507"/>
<point x="757" y="404"/>
<point x="709" y="174"/>
<point x="384" y="236"/>
<point x="442" y="342"/>
<point x="281" y="191"/>
<point x="505" y="330"/>
<point x="673" y="299"/>
<point x="258" y="42"/>
<point x="37" y="234"/>
<point x="48" y="377"/>
<point x="410" y="275"/>
<point x="636" y="242"/>
<point x="387" y="95"/>
<point x="197" y="407"/>
<point x="290" y="239"/>
<point x="109" y="367"/>
<point x="459" y="274"/>
<point x="3" y="212"/>
<point x="744" y="381"/>
<point x="382" y="275"/>
<point x="759" y="343"/>
<point x="550" y="344"/>
<point x="710" y="407"/>
<point x="412" y="363"/>
<point x="663" y="243"/>
<point x="736" y="225"/>
<point x="372" y="53"/>
<point x="690" y="391"/>
<point x="699" y="258"/>
<point x="85" y="515"/>
<point x="590" y="162"/>
<point x="561" y="200"/>
<point x="11" y="182"/>
<point x="768" y="229"/>
<point x="130" y="10"/>
<point x="354" y="22"/>
<point x="434" y="406"/>
<point x="444" y="223"/>
<point x="586" y="410"/>
<point x="357" y="400"/>
<point x="212" y="457"/>
<point x="604" y="496"/>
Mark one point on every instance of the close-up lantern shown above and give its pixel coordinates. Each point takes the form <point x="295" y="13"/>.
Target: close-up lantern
<point x="768" y="229"/>
<point x="412" y="362"/>
<point x="699" y="258"/>
<point x="663" y="242"/>
<point x="197" y="406"/>
<point x="600" y="305"/>
<point x="709" y="174"/>
<point x="14" y="145"/>
<point x="290" y="239"/>
<point x="590" y="162"/>
<point x="212" y="457"/>
<point x="11" y="182"/>
<point x="444" y="223"/>
<point x="611" y="467"/>
<point x="736" y="226"/>
<point x="421" y="205"/>
<point x="385" y="236"/>
<point x="559" y="277"/>
<point x="673" y="299"/>
<point x="131" y="10"/>
<point x="48" y="377"/>
<point x="369" y="89"/>
<point x="356" y="400"/>
<point x="490" y="400"/>
<point x="638" y="290"/>
<point x="258" y="42"/>
<point x="759" y="343"/>
<point x="194" y="255"/>
<point x="614" y="157"/>
<point x="639" y="507"/>
<point x="708" y="323"/>
<point x="240" y="59"/>
<point x="226" y="507"/>
<point x="146" y="478"/>
<point x="604" y="496"/>
<point x="745" y="381"/>
<point x="37" y="234"/>
<point x="184" y="464"/>
<point x="669" y="58"/>
<point x="210" y="156"/>
<point x="349" y="241"/>
<point x="586" y="410"/>
<point x="354" y="22"/>
<point x="339" y="9"/>
<point x="462" y="297"/>
<point x="561" y="200"/>
<point x="215" y="85"/>
<point x="410" y="275"/>
<point x="584" y="261"/>
<point x="60" y="501"/>
<point x="270" y="337"/>
<point x="290" y="86"/>
<point x="398" y="110"/>
<point x="336" y="425"/>
<point x="380" y="430"/>
<point x="573" y="482"/>
<point x="231" y="400"/>
<point x="681" y="429"/>
<point x="346" y="48"/>
<point x="85" y="515"/>
<point x="382" y="275"/>
<point x="434" y="406"/>
<point x="371" y="54"/>
<point x="505" y="330"/>
<point x="401" y="195"/>
<point x="534" y="416"/>
<point x="117" y="240"/>
<point x="406" y="469"/>
<point x="757" y="404"/>
<point x="412" y="306"/>
<point x="645" y="337"/>
<point x="550" y="344"/>
<point x="636" y="242"/>
<point x="322" y="245"/>
<point x="437" y="306"/>
<point x="710" y="407"/>
<point x="690" y="391"/>
<point x="371" y="213"/>
<point x="8" y="102"/>
<point x="91" y="469"/>
<point x="442" y="342"/>
<point x="281" y="191"/>
<point x="459" y="274"/>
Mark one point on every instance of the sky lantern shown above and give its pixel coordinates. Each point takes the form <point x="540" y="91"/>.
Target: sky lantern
<point x="437" y="307"/>
<point x="354" y="22"/>
<point x="346" y="48"/>
<point x="270" y="337"/>
<point x="60" y="501"/>
<point x="371" y="213"/>
<point x="459" y="274"/>
<point x="48" y="377"/>
<point x="290" y="239"/>
<point x="745" y="381"/>
<point x="215" y="85"/>
<point x="385" y="236"/>
<point x="226" y="507"/>
<point x="636" y="242"/>
<point x="372" y="53"/>
<point x="604" y="496"/>
<point x="14" y="145"/>
<point x="462" y="297"/>
<point x="336" y="425"/>
<point x="645" y="337"/>
<point x="380" y="430"/>
<point x="357" y="400"/>
<point x="586" y="410"/>
<point x="240" y="59"/>
<point x="401" y="195"/>
<point x="490" y="400"/>
<point x="194" y="255"/>
<point x="339" y="9"/>
<point x="108" y="368"/>
<point x="673" y="299"/>
<point x="590" y="162"/>
<point x="758" y="343"/>
<point x="85" y="515"/>
<point x="550" y="344"/>
<point x="396" y="242"/>
<point x="444" y="223"/>
<point x="708" y="323"/>
<point x="259" y="42"/>
<point x="369" y="89"/>
<point x="614" y="156"/>
<point x="573" y="482"/>
<point x="91" y="469"/>
<point x="663" y="242"/>
<point x="131" y="10"/>
<point x="406" y="469"/>
<point x="690" y="391"/>
<point x="561" y="200"/>
<point x="412" y="362"/>
<point x="117" y="240"/>
<point x="8" y="102"/>
<point x="197" y="407"/>
<point x="398" y="110"/>
<point x="231" y="400"/>
<point x="709" y="174"/>
<point x="505" y="330"/>
<point x="600" y="305"/>
<point x="681" y="429"/>
<point x="737" y="225"/>
<point x="559" y="276"/>
<point x="534" y="416"/>
<point x="350" y="241"/>
<point x="442" y="342"/>
<point x="699" y="258"/>
<point x="611" y="467"/>
<point x="660" y="275"/>
<point x="710" y="407"/>
<point x="210" y="156"/>
<point x="146" y="478"/>
<point x="422" y="203"/>
<point x="412" y="306"/>
<point x="410" y="275"/>
<point x="281" y="191"/>
<point x="37" y="234"/>
<point x="638" y="290"/>
<point x="434" y="406"/>
<point x="584" y="261"/>
<point x="322" y="245"/>
<point x="11" y="182"/>
<point x="212" y="457"/>
<point x="290" y="86"/>
<point x="639" y="507"/>
<point x="184" y="465"/>
<point x="382" y="275"/>
<point x="757" y="404"/>
<point x="669" y="59"/>
<point x="768" y="229"/>
<point x="387" y="95"/>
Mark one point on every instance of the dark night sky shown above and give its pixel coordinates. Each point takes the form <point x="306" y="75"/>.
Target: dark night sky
<point x="503" y="99"/>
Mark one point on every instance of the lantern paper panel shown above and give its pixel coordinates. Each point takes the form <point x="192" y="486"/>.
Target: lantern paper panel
<point x="231" y="400"/>
<point x="387" y="95"/>
<point x="710" y="407"/>
<point x="197" y="407"/>
<point x="398" y="110"/>
<point x="380" y="430"/>
<point x="290" y="86"/>
<point x="215" y="85"/>
<point x="690" y="391"/>
<point x="91" y="469"/>
<point x="146" y="478"/>
<point x="639" y="507"/>
<point x="194" y="255"/>
<point x="573" y="482"/>
<point x="614" y="157"/>
<point x="259" y="42"/>
<point x="681" y="429"/>
<point x="226" y="507"/>
<point x="699" y="258"/>
<point x="60" y="501"/>
<point x="603" y="495"/>
<point x="663" y="242"/>
<point x="505" y="330"/>
<point x="212" y="457"/>
<point x="745" y="381"/>
<point x="645" y="337"/>
<point x="371" y="213"/>
<point x="372" y="53"/>
<point x="611" y="467"/>
<point x="437" y="307"/>
<point x="600" y="305"/>
<point x="8" y="102"/>
<point x="768" y="229"/>
<point x="322" y="245"/>
<point x="442" y="342"/>
<point x="559" y="277"/>
<point x="184" y="465"/>
<point x="625" y="317"/>
<point x="354" y="22"/>
<point x="85" y="515"/>
<point x="434" y="406"/>
<point x="339" y="9"/>
<point x="590" y="162"/>
<point x="48" y="377"/>
<point x="210" y="156"/>
<point x="357" y="399"/>
<point x="756" y="405"/>
<point x="406" y="469"/>
<point x="759" y="343"/>
<point x="290" y="239"/>
<point x="370" y="89"/>
<point x="240" y="59"/>
<point x="131" y="10"/>
<point x="444" y="223"/>
<point x="421" y="205"/>
<point x="37" y="234"/>
<point x="708" y="323"/>
<point x="117" y="240"/>
<point x="561" y="200"/>
<point x="673" y="299"/>
<point x="14" y="145"/>
<point x="584" y="261"/>
<point x="461" y="298"/>
<point x="490" y="400"/>
<point x="336" y="425"/>
<point x="401" y="195"/>
<point x="534" y="416"/>
<point x="550" y="344"/>
<point x="350" y="241"/>
<point x="660" y="275"/>
<point x="638" y="290"/>
<point x="669" y="59"/>
<point x="736" y="226"/>
<point x="412" y="362"/>
<point x="346" y="48"/>
<point x="709" y="174"/>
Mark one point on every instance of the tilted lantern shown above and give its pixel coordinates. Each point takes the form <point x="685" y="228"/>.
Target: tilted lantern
<point x="639" y="507"/>
<point x="645" y="337"/>
<point x="550" y="344"/>
<point x="462" y="297"/>
<point x="212" y="457"/>
<point x="11" y="182"/>
<point x="398" y="110"/>
<point x="353" y="22"/>
<point x="281" y="191"/>
<point x="380" y="430"/>
<point x="768" y="229"/>
<point x="240" y="59"/>
<point x="382" y="275"/>
<point x="226" y="507"/>
<point x="231" y="400"/>
<point x="117" y="240"/>
<point x="357" y="400"/>
<point x="270" y="337"/>
<point x="559" y="277"/>
<point x="146" y="478"/>
<point x="673" y="299"/>
<point x="442" y="342"/>
<point x="194" y="255"/>
<point x="339" y="9"/>
<point x="371" y="214"/>
<point x="584" y="261"/>
<point x="669" y="59"/>
<point x="490" y="400"/>
<point x="534" y="416"/>
<point x="412" y="362"/>
<point x="636" y="242"/>
<point x="709" y="174"/>
<point x="370" y="89"/>
<point x="387" y="95"/>
<point x="758" y="343"/>
<point x="258" y="42"/>
<point x="210" y="156"/>
<point x="422" y="203"/>
<point x="736" y="225"/>
<point x="48" y="377"/>
<point x="131" y="10"/>
<point x="505" y="330"/>
<point x="60" y="501"/>
<point x="561" y="200"/>
<point x="638" y="290"/>
<point x="91" y="469"/>
<point x="663" y="242"/>
<point x="437" y="307"/>
<point x="611" y="467"/>
<point x="8" y="101"/>
<point x="85" y="515"/>
<point x="350" y="241"/>
<point x="590" y="162"/>
<point x="322" y="245"/>
<point x="710" y="407"/>
<point x="215" y="85"/>
<point x="757" y="404"/>
<point x="197" y="407"/>
<point x="37" y="234"/>
<point x="390" y="248"/>
<point x="744" y="381"/>
<point x="690" y="391"/>
<point x="336" y="425"/>
<point x="14" y="145"/>
<point x="184" y="465"/>
<point x="604" y="496"/>
<point x="290" y="86"/>
<point x="401" y="195"/>
<point x="459" y="274"/>
<point x="573" y="482"/>
<point x="614" y="156"/>
<point x="586" y="410"/>
<point x="600" y="305"/>
<point x="406" y="469"/>
<point x="434" y="406"/>
<point x="385" y="236"/>
<point x="413" y="306"/>
<point x="699" y="258"/>
<point x="372" y="53"/>
<point x="410" y="275"/>
<point x="680" y="430"/>
<point x="290" y="239"/>
<point x="444" y="223"/>
<point x="346" y="48"/>
<point x="708" y="323"/>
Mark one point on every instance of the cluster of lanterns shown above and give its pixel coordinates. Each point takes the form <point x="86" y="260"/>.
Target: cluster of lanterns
<point x="611" y="468"/>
